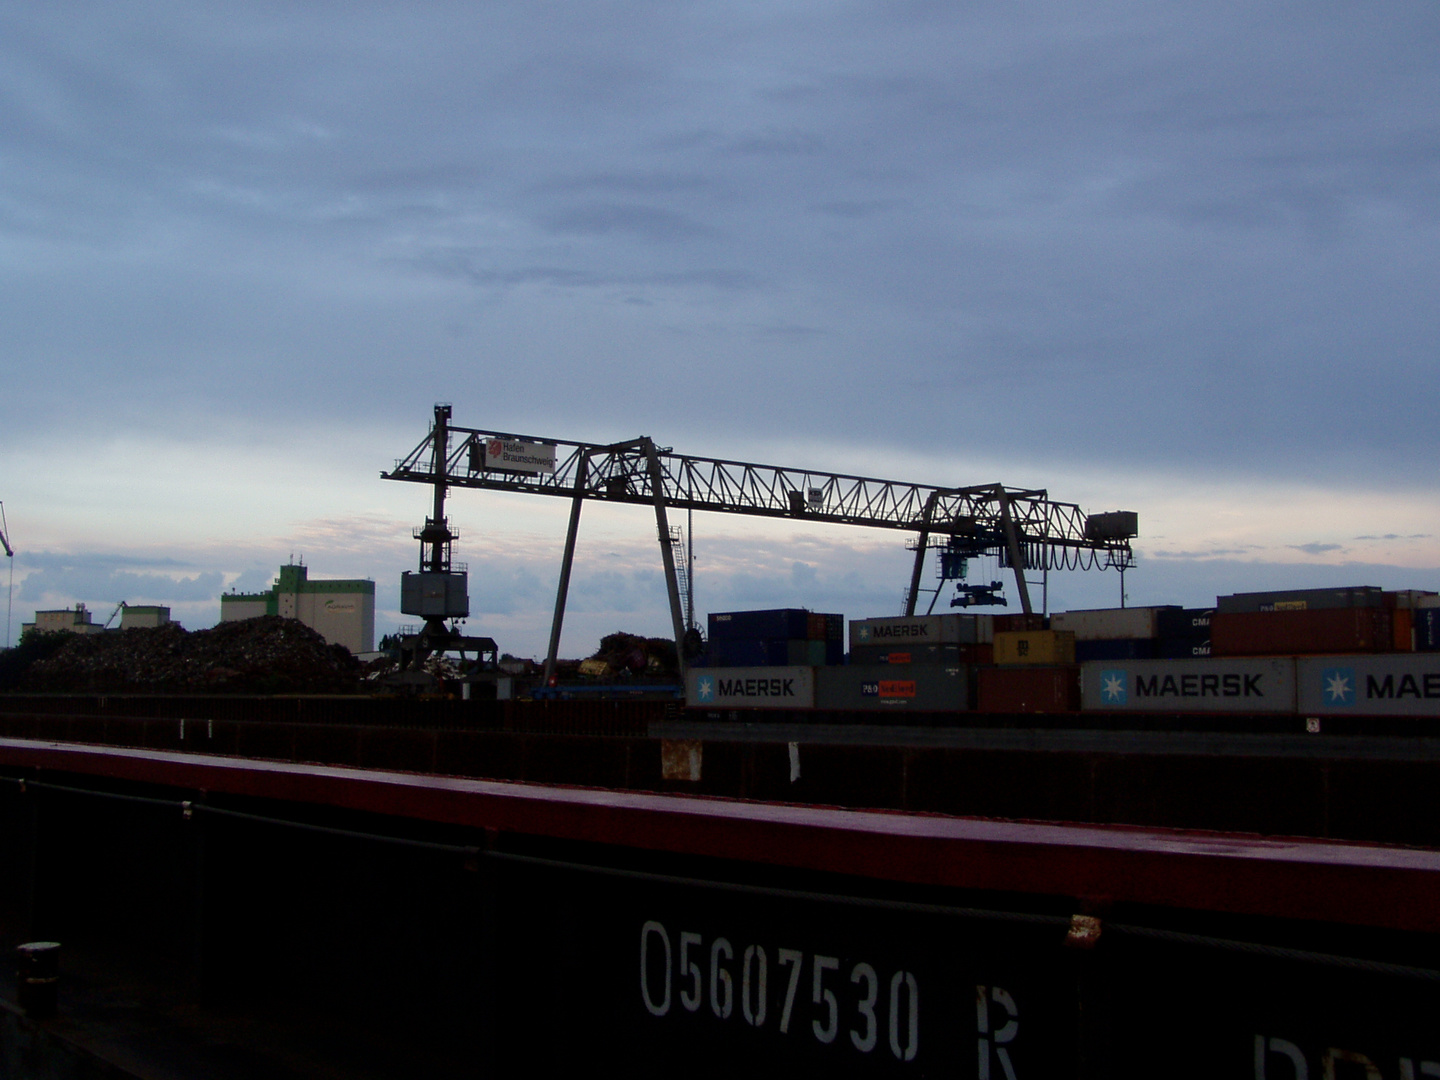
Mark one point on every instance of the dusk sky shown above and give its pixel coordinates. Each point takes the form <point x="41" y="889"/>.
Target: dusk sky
<point x="1181" y="259"/>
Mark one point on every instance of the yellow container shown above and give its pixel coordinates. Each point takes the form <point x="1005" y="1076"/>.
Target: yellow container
<point x="1034" y="646"/>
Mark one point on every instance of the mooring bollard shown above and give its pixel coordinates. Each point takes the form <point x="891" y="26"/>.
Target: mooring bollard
<point x="37" y="977"/>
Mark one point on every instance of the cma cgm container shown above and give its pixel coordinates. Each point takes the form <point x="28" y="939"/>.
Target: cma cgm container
<point x="1215" y="685"/>
<point x="1370" y="685"/>
<point x="1028" y="689"/>
<point x="751" y="688"/>
<point x="1112" y="624"/>
<point x="1324" y="630"/>
<point x="882" y="687"/>
<point x="908" y="630"/>
<point x="1034" y="647"/>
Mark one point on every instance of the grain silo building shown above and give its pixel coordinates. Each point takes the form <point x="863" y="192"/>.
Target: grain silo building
<point x="341" y="611"/>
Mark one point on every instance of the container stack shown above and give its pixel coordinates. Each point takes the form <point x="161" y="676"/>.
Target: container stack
<point x="923" y="639"/>
<point x="780" y="637"/>
<point x="1304" y="622"/>
<point x="1145" y="633"/>
<point x="918" y="663"/>
<point x="1035" y="672"/>
<point x="1362" y="651"/>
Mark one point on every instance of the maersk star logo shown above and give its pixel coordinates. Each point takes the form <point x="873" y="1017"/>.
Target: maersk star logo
<point x="863" y="633"/>
<point x="705" y="688"/>
<point x="1338" y="686"/>
<point x="1112" y="687"/>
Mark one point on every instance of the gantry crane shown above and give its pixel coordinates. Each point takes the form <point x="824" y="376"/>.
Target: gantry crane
<point x="1024" y="528"/>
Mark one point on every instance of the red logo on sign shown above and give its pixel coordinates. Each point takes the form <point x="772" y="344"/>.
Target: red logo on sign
<point x="496" y="448"/>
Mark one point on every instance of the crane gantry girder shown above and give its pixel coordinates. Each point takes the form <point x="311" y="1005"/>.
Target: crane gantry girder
<point x="1024" y="527"/>
<point x="622" y="472"/>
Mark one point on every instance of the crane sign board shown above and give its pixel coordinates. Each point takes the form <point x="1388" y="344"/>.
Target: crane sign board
<point x="513" y="455"/>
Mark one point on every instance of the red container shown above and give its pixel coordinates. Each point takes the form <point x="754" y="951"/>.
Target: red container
<point x="1290" y="633"/>
<point x="1028" y="690"/>
<point x="1404" y="630"/>
<point x="1025" y="624"/>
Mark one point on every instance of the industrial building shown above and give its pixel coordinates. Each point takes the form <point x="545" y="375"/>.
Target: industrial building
<point x="342" y="611"/>
<point x="81" y="619"/>
<point x="78" y="620"/>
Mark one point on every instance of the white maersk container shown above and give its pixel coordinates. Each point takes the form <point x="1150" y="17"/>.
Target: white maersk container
<point x="1401" y="684"/>
<point x="751" y="688"/>
<point x="1239" y="684"/>
<point x="1110" y="624"/>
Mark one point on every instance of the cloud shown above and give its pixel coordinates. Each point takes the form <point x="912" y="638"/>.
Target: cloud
<point x="1316" y="549"/>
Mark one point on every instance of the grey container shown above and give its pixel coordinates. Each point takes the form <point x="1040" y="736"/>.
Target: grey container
<point x="1403" y="684"/>
<point x="751" y="688"/>
<point x="891" y="688"/>
<point x="906" y="654"/>
<point x="1214" y="685"/>
<point x="902" y="631"/>
<point x="1303" y="599"/>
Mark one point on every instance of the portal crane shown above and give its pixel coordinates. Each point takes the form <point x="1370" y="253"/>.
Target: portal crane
<point x="1024" y="528"/>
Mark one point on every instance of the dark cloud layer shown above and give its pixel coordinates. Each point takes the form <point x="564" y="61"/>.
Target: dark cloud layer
<point x="1196" y="237"/>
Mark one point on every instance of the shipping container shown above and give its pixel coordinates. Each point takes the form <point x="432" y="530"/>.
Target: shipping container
<point x="1426" y="629"/>
<point x="1028" y="689"/>
<point x="1302" y="599"/>
<point x="1214" y="685"/>
<point x="1280" y="633"/>
<point x="922" y="654"/>
<point x="751" y="688"/>
<point x="725" y="653"/>
<point x="1124" y="649"/>
<point x="1182" y="648"/>
<point x="777" y="624"/>
<point x="1370" y="685"/>
<point x="1189" y="624"/>
<point x="1112" y="624"/>
<point x="875" y="687"/>
<point x="1413" y="598"/>
<point x="1403" y="629"/>
<point x="1010" y="623"/>
<point x="1034" y="647"/>
<point x="922" y="630"/>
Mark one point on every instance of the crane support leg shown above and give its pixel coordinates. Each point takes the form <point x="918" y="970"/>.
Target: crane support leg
<point x="915" y="573"/>
<point x="1012" y="543"/>
<point x="566" y="561"/>
<point x="667" y="554"/>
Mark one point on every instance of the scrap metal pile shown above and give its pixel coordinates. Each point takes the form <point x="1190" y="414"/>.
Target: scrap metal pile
<point x="267" y="655"/>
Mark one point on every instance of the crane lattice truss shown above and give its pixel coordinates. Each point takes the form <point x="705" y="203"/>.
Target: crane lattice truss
<point x="1025" y="528"/>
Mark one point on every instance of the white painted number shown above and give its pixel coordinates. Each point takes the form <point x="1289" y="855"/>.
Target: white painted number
<point x="912" y="1040"/>
<point x="755" y="1015"/>
<point x="691" y="1001"/>
<point x="865" y="1043"/>
<point x="649" y="928"/>
<point x="796" y="959"/>
<point x="754" y="993"/>
<point x="826" y="1034"/>
<point x="718" y="975"/>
